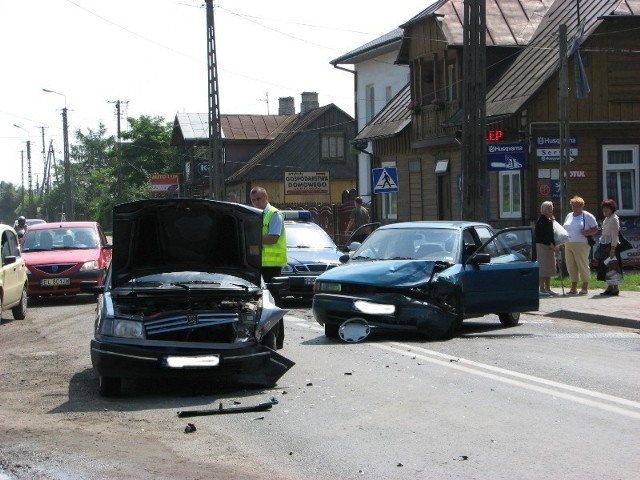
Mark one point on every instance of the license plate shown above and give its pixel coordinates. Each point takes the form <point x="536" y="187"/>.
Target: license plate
<point x="200" y="361"/>
<point x="53" y="282"/>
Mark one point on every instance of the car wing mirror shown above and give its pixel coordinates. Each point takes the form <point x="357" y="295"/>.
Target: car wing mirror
<point x="480" y="258"/>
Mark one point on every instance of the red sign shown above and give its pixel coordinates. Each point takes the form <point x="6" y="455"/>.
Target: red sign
<point x="165" y="183"/>
<point x="495" y="135"/>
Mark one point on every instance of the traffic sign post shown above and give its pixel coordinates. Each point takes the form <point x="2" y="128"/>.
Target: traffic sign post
<point x="385" y="180"/>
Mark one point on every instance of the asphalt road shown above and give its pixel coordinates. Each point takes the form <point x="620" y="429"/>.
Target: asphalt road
<point x="551" y="398"/>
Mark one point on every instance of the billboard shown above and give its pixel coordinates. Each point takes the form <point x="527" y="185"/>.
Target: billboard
<point x="306" y="183"/>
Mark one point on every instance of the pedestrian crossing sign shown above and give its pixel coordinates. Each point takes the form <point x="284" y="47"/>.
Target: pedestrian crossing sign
<point x="385" y="180"/>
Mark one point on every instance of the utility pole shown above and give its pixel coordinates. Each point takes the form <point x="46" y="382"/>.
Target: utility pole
<point x="119" y="149"/>
<point x="216" y="172"/>
<point x="474" y="170"/>
<point x="563" y="117"/>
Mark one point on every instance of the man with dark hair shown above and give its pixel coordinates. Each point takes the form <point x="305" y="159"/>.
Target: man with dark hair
<point x="359" y="216"/>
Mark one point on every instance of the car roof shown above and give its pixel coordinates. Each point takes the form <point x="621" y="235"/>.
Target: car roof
<point x="444" y="224"/>
<point x="61" y="225"/>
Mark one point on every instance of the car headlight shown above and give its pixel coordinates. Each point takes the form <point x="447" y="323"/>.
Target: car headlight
<point x="327" y="287"/>
<point x="92" y="265"/>
<point x="287" y="269"/>
<point x="124" y="329"/>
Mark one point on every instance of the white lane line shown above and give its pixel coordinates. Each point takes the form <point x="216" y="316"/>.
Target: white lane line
<point x="458" y="363"/>
<point x="523" y="376"/>
<point x="447" y="362"/>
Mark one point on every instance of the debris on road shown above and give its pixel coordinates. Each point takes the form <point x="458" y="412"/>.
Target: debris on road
<point x="221" y="409"/>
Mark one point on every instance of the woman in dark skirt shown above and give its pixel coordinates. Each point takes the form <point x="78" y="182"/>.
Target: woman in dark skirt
<point x="609" y="260"/>
<point x="546" y="248"/>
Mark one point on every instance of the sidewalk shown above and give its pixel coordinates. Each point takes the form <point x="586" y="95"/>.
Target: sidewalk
<point x="620" y="311"/>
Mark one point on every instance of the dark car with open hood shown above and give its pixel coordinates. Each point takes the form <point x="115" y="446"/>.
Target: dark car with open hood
<point x="427" y="277"/>
<point x="184" y="297"/>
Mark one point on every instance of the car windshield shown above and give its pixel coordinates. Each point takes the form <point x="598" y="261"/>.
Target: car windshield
<point x="304" y="236"/>
<point x="60" y="238"/>
<point x="410" y="244"/>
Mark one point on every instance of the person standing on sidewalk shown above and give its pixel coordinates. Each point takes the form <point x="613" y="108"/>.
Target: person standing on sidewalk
<point x="579" y="224"/>
<point x="274" y="237"/>
<point x="608" y="256"/>
<point x="359" y="216"/>
<point x="546" y="248"/>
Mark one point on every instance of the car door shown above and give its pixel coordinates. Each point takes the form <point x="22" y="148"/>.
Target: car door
<point x="13" y="273"/>
<point x="509" y="281"/>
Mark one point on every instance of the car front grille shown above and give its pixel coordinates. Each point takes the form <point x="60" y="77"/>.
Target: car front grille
<point x="194" y="327"/>
<point x="54" y="268"/>
<point x="317" y="268"/>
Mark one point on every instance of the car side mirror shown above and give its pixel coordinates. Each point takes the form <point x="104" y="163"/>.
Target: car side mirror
<point x="480" y="258"/>
<point x="9" y="259"/>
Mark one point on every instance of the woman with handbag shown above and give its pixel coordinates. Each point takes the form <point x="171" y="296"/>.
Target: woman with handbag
<point x="580" y="224"/>
<point x="609" y="261"/>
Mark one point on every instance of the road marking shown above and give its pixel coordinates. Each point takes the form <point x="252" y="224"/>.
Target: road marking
<point x="503" y="375"/>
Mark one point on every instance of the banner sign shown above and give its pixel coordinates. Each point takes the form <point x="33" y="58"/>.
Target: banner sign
<point x="306" y="183"/>
<point x="548" y="148"/>
<point x="165" y="183"/>
<point x="506" y="156"/>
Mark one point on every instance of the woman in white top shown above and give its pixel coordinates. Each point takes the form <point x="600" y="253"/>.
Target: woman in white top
<point x="579" y="224"/>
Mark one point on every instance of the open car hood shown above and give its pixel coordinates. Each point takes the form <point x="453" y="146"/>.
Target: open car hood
<point x="160" y="235"/>
<point x="382" y="273"/>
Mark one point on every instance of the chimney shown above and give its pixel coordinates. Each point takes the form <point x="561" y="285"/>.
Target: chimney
<point x="286" y="106"/>
<point x="309" y="102"/>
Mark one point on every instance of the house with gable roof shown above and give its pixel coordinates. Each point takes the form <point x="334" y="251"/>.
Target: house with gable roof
<point x="300" y="158"/>
<point x="522" y="102"/>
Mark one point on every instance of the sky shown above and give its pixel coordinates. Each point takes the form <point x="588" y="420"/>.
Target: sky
<point x="151" y="55"/>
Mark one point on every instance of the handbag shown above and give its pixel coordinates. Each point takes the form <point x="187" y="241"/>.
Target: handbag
<point x="623" y="243"/>
<point x="590" y="240"/>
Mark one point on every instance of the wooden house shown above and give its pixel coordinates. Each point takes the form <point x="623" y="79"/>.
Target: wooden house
<point x="417" y="131"/>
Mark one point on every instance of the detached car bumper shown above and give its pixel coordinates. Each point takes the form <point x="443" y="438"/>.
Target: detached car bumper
<point x="253" y="364"/>
<point x="409" y="314"/>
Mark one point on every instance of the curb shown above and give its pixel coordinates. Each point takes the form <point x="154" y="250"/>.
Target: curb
<point x="594" y="318"/>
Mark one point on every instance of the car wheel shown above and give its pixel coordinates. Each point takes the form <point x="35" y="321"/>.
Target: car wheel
<point x="455" y="301"/>
<point x="331" y="330"/>
<point x="269" y="340"/>
<point x="509" y="319"/>
<point x="110" y="386"/>
<point x="20" y="310"/>
<point x="280" y="335"/>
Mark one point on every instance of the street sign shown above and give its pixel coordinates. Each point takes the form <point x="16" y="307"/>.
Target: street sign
<point x="385" y="180"/>
<point x="548" y="148"/>
<point x="506" y="156"/>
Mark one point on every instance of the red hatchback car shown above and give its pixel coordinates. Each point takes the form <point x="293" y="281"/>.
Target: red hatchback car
<point x="60" y="255"/>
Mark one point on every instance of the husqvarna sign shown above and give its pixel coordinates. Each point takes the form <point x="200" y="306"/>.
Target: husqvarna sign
<point x="506" y="156"/>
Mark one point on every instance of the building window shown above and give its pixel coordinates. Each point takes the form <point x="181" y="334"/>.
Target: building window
<point x="370" y="103"/>
<point x="620" y="178"/>
<point x="388" y="94"/>
<point x="510" y="199"/>
<point x="333" y="147"/>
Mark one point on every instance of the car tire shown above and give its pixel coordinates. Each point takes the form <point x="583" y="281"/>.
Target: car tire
<point x="280" y="335"/>
<point x="109" y="386"/>
<point x="331" y="330"/>
<point x="270" y="339"/>
<point x="509" y="319"/>
<point x="20" y="311"/>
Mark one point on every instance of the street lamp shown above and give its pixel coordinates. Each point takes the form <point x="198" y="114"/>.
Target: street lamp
<point x="68" y="202"/>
